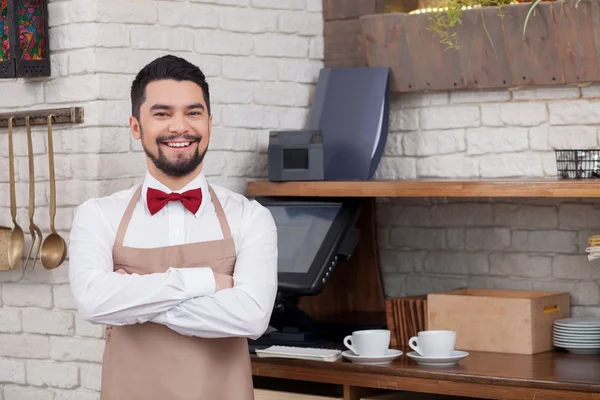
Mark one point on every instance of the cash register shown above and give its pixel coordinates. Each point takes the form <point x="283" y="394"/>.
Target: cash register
<point x="315" y="237"/>
<point x="344" y="140"/>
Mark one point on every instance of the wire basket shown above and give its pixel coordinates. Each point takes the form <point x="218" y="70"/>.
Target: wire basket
<point x="578" y="164"/>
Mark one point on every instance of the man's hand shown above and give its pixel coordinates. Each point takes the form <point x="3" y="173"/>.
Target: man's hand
<point x="223" y="281"/>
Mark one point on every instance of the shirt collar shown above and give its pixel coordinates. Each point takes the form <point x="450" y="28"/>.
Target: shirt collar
<point x="198" y="182"/>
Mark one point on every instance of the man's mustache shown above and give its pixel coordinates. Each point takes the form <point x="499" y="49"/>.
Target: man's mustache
<point x="191" y="138"/>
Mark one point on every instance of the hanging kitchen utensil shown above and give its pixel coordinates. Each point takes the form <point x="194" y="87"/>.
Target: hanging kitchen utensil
<point x="12" y="242"/>
<point x="54" y="248"/>
<point x="36" y="232"/>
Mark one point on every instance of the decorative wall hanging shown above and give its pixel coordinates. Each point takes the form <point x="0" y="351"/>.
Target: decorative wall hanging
<point x="24" y="48"/>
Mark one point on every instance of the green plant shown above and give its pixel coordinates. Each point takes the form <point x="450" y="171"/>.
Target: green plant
<point x="446" y="15"/>
<point x="443" y="22"/>
<point x="529" y="12"/>
<point x="532" y="7"/>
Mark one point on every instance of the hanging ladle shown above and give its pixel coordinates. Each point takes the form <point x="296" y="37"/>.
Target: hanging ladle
<point x="34" y="230"/>
<point x="12" y="243"/>
<point x="54" y="248"/>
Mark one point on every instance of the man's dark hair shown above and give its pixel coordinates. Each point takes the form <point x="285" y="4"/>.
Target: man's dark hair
<point x="166" y="67"/>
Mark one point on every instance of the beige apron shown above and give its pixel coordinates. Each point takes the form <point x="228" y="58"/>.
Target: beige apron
<point x="152" y="362"/>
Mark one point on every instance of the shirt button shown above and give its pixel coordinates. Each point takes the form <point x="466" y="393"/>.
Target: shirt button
<point x="176" y="231"/>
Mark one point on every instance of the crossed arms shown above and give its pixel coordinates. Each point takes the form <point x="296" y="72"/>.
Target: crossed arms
<point x="184" y="299"/>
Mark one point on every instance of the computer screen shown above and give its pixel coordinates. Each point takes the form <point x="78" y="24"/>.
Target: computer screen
<point x="309" y="233"/>
<point x="301" y="230"/>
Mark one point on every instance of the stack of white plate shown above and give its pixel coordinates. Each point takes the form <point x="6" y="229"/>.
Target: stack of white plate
<point x="579" y="335"/>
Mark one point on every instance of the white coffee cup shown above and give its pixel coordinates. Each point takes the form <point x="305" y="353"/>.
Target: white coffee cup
<point x="434" y="343"/>
<point x="369" y="343"/>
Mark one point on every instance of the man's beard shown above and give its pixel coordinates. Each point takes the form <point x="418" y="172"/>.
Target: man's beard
<point x="181" y="166"/>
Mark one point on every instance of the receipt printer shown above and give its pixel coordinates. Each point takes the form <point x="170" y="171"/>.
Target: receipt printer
<point x="295" y="156"/>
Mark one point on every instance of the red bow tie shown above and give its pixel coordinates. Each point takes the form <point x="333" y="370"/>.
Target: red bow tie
<point x="158" y="199"/>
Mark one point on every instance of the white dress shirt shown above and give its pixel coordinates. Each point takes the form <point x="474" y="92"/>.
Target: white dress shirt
<point x="184" y="299"/>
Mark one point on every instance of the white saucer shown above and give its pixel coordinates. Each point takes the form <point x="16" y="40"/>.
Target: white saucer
<point x="391" y="355"/>
<point x="456" y="356"/>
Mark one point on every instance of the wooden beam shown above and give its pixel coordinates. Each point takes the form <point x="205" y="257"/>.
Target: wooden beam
<point x="343" y="43"/>
<point x="69" y="115"/>
<point x="350" y="9"/>
<point x="533" y="187"/>
<point x="342" y="34"/>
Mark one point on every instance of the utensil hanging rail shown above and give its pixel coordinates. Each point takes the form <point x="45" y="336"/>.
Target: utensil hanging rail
<point x="69" y="115"/>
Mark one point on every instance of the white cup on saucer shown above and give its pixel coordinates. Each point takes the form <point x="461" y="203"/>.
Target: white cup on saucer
<point x="435" y="343"/>
<point x="369" y="343"/>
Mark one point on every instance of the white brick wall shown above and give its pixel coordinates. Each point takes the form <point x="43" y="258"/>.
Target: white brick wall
<point x="261" y="59"/>
<point x="440" y="244"/>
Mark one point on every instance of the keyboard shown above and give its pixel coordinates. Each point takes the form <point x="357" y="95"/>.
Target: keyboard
<point x="302" y="353"/>
<point x="266" y="342"/>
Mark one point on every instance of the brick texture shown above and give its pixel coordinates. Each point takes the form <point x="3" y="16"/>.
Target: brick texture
<point x="535" y="244"/>
<point x="262" y="59"/>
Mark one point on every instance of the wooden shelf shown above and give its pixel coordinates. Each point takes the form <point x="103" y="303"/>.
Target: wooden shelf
<point x="534" y="187"/>
<point x="549" y="375"/>
<point x="357" y="288"/>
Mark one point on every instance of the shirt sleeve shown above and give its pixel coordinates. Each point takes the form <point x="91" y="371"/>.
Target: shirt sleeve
<point x="105" y="297"/>
<point x="245" y="309"/>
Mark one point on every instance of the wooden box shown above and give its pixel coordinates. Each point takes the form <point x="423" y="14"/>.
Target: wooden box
<point x="502" y="321"/>
<point x="488" y="48"/>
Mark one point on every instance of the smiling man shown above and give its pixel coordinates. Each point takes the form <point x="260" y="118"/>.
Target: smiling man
<point x="183" y="272"/>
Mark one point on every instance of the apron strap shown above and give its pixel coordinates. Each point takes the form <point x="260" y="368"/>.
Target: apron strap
<point x="131" y="206"/>
<point x="127" y="217"/>
<point x="220" y="214"/>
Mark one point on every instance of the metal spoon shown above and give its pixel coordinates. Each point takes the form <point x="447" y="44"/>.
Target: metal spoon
<point x="36" y="232"/>
<point x="16" y="244"/>
<point x="54" y="248"/>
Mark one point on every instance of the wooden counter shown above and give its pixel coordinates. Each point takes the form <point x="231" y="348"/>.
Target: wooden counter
<point x="358" y="289"/>
<point x="545" y="376"/>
